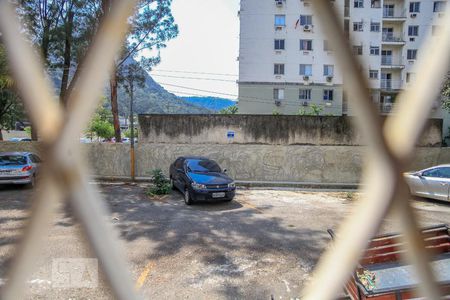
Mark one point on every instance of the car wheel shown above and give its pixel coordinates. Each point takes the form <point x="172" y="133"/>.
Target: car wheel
<point x="32" y="183"/>
<point x="187" y="197"/>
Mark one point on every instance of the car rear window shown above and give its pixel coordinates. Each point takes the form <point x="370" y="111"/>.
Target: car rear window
<point x="203" y="166"/>
<point x="12" y="160"/>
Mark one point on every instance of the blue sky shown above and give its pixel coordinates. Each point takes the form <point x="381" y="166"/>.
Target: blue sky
<point x="208" y="43"/>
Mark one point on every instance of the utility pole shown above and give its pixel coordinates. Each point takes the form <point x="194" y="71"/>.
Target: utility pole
<point x="133" y="164"/>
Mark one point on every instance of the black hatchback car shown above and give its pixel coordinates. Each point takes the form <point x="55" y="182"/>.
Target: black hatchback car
<point x="200" y="178"/>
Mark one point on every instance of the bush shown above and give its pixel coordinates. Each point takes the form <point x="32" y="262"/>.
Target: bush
<point x="161" y="185"/>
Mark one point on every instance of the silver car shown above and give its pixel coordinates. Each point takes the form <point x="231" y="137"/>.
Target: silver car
<point x="19" y="168"/>
<point x="433" y="182"/>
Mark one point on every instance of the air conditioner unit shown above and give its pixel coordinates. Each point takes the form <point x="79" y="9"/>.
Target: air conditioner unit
<point x="279" y="3"/>
<point x="413" y="15"/>
<point x="278" y="27"/>
<point x="277" y="102"/>
<point x="329" y="78"/>
<point x="412" y="39"/>
<point x="307" y="28"/>
<point x="306" y="77"/>
<point x="305" y="103"/>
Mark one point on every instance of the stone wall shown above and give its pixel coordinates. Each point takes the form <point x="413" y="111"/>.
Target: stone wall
<point x="261" y="129"/>
<point x="273" y="163"/>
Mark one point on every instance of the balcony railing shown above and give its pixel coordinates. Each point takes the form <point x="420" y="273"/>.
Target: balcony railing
<point x="391" y="61"/>
<point x="391" y="13"/>
<point x="392" y="37"/>
<point x="390" y="85"/>
<point x="386" y="107"/>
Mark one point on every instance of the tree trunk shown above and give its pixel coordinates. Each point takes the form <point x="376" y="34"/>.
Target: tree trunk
<point x="45" y="43"/>
<point x="1" y="135"/>
<point x="67" y="58"/>
<point x="115" y="106"/>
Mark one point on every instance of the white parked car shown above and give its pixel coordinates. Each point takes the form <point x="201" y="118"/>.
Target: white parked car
<point x="432" y="183"/>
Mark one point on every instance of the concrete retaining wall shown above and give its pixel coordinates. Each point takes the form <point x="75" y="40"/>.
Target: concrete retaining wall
<point x="261" y="129"/>
<point x="295" y="163"/>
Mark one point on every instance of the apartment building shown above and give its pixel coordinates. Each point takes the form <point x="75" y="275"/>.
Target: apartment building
<point x="286" y="63"/>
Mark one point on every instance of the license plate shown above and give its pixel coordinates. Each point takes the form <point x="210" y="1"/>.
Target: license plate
<point x="8" y="172"/>
<point x="218" y="195"/>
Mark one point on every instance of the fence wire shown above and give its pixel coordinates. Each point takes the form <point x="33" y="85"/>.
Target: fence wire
<point x="391" y="148"/>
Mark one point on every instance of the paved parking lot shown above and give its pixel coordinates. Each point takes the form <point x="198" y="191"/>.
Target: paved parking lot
<point x="264" y="243"/>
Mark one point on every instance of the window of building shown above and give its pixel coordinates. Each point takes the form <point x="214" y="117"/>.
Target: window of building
<point x="373" y="74"/>
<point x="414" y="7"/>
<point x="410" y="77"/>
<point x="278" y="94"/>
<point x="375" y="26"/>
<point x="326" y="46"/>
<point x="413" y="30"/>
<point x="439" y="6"/>
<point x="357" y="50"/>
<point x="375" y="3"/>
<point x="374" y="50"/>
<point x="279" y="44"/>
<point x="328" y="70"/>
<point x="435" y="30"/>
<point x="305" y="20"/>
<point x="328" y="95"/>
<point x="304" y="94"/>
<point x="358" y="3"/>
<point x="278" y="69"/>
<point x="280" y="20"/>
<point x="306" y="70"/>
<point x="388" y="10"/>
<point x="358" y="26"/>
<point x="306" y="45"/>
<point x="411" y="54"/>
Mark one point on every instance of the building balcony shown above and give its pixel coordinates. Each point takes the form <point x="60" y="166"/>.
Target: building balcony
<point x="391" y="85"/>
<point x="386" y="108"/>
<point x="392" y="38"/>
<point x="394" y="15"/>
<point x="388" y="62"/>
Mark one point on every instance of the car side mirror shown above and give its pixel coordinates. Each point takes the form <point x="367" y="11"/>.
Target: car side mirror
<point x="225" y="170"/>
<point x="418" y="174"/>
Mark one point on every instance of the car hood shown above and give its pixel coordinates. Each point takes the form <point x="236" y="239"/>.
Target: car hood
<point x="210" y="178"/>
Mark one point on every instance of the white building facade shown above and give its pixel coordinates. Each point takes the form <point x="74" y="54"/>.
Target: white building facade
<point x="287" y="66"/>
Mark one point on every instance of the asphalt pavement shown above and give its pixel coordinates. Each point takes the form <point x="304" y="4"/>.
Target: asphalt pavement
<point x="264" y="243"/>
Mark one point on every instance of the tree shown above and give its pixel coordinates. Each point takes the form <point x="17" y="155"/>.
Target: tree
<point x="445" y="92"/>
<point x="151" y="27"/>
<point x="11" y="109"/>
<point x="230" y="110"/>
<point x="315" y="110"/>
<point x="101" y="124"/>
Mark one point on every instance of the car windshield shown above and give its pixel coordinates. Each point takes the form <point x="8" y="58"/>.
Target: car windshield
<point x="203" y="166"/>
<point x="12" y="160"/>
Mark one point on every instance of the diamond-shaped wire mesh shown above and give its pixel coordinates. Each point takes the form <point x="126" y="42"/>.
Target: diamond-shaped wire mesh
<point x="391" y="148"/>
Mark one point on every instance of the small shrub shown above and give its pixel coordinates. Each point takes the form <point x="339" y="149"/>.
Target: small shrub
<point x="161" y="185"/>
<point x="349" y="196"/>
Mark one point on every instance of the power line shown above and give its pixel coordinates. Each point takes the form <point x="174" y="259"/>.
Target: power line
<point x="262" y="100"/>
<point x="190" y="72"/>
<point x="198" y="90"/>
<point x="195" y="78"/>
